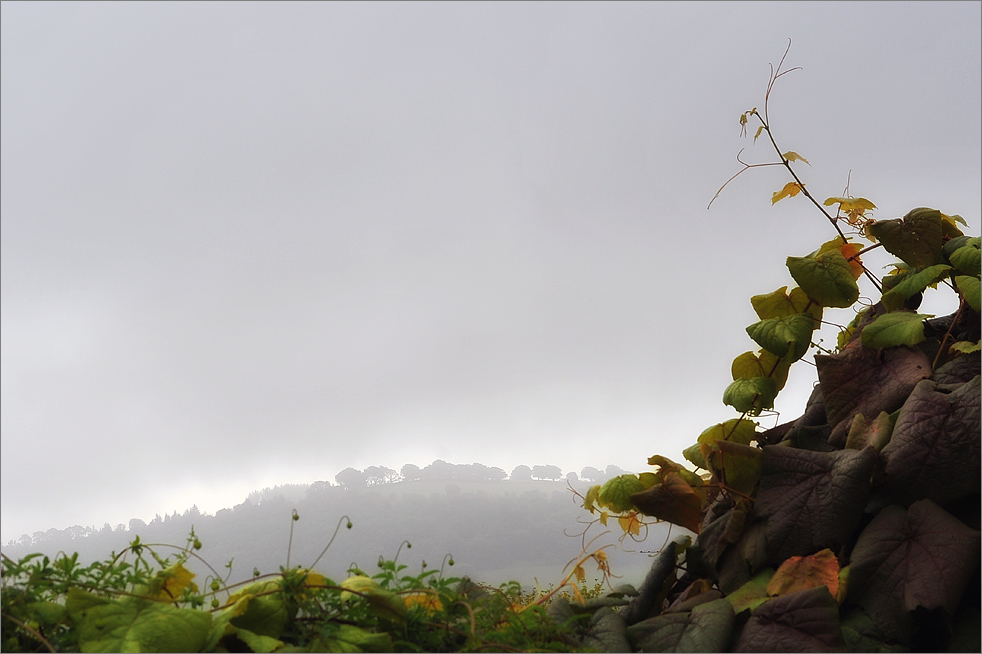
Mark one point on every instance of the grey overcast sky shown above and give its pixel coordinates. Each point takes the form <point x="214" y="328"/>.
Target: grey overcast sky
<point x="254" y="244"/>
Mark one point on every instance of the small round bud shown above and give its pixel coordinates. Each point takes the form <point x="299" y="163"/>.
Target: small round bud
<point x="197" y="544"/>
<point x="215" y="585"/>
<point x="215" y="603"/>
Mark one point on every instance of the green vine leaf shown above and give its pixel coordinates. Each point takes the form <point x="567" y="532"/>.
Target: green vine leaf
<point x="763" y="364"/>
<point x="616" y="493"/>
<point x="916" y="238"/>
<point x="967" y="258"/>
<point x="912" y="284"/>
<point x="782" y="336"/>
<point x="826" y="278"/>
<point x="781" y="304"/>
<point x="969" y="288"/>
<point x="751" y="395"/>
<point x="892" y="329"/>
<point x="136" y="625"/>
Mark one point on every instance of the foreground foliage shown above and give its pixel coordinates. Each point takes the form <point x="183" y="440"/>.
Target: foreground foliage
<point x="153" y="604"/>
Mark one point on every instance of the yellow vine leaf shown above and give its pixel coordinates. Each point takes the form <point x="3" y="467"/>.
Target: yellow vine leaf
<point x="794" y="156"/>
<point x="630" y="523"/>
<point x="854" y="208"/>
<point x="429" y="601"/>
<point x="759" y="130"/>
<point x="790" y="190"/>
<point x="603" y="518"/>
<point x="171" y="582"/>
<point x="580" y="573"/>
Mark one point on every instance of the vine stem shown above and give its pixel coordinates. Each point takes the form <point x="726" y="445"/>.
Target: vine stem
<point x="34" y="633"/>
<point x="934" y="364"/>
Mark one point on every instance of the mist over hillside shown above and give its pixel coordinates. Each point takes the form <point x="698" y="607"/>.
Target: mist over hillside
<point x="523" y="526"/>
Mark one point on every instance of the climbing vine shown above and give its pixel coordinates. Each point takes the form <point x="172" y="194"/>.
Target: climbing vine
<point x="816" y="518"/>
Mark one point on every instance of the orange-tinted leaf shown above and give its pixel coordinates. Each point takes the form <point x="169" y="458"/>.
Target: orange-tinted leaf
<point x="794" y="156"/>
<point x="790" y="190"/>
<point x="672" y="501"/>
<point x="849" y="251"/>
<point x="804" y="572"/>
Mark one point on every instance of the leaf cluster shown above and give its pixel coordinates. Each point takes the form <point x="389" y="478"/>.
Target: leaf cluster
<point x="856" y="526"/>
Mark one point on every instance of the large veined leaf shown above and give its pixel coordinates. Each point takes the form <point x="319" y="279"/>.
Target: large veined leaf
<point x="910" y="558"/>
<point x="892" y="329"/>
<point x="916" y="238"/>
<point x="912" y="284"/>
<point x="607" y="632"/>
<point x="861" y="380"/>
<point x="781" y="336"/>
<point x="934" y="452"/>
<point x="704" y="629"/>
<point x="806" y="621"/>
<point x="862" y="635"/>
<point x="740" y="563"/>
<point x="135" y="625"/>
<point x="826" y="278"/>
<point x="811" y="500"/>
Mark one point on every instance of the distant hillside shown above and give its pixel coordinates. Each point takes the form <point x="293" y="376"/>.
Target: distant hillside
<point x="495" y="530"/>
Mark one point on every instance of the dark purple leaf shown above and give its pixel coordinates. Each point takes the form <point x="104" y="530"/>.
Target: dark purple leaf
<point x="811" y="500"/>
<point x="934" y="452"/>
<point x="806" y="621"/>
<point x="865" y="380"/>
<point x="910" y="558"/>
<point x="705" y="629"/>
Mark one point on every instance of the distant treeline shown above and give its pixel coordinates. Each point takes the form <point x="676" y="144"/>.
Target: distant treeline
<point x="440" y="470"/>
<point x="525" y="525"/>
